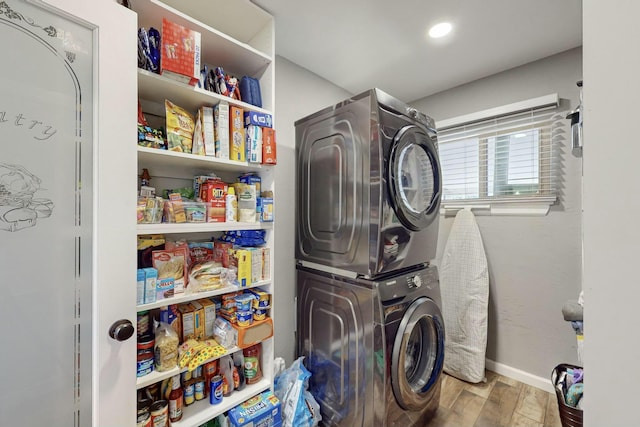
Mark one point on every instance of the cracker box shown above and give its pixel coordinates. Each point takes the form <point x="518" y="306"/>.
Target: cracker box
<point x="180" y="58"/>
<point x="236" y="132"/>
<point x="261" y="410"/>
<point x="214" y="194"/>
<point x="268" y="146"/>
<point x="221" y="129"/>
<point x="258" y="119"/>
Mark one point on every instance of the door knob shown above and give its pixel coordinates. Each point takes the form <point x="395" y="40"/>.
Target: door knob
<point x="121" y="330"/>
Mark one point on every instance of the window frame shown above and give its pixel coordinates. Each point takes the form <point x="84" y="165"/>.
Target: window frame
<point x="520" y="205"/>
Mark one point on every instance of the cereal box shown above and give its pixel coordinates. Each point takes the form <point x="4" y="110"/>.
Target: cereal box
<point x="237" y="138"/>
<point x="221" y="129"/>
<point x="180" y="53"/>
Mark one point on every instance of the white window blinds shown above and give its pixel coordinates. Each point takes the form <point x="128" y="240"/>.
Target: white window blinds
<point x="505" y="154"/>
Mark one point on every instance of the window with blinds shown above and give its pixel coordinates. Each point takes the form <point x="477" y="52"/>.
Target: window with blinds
<point x="503" y="154"/>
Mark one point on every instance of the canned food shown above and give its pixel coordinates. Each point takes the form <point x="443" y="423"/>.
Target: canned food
<point x="144" y="420"/>
<point x="144" y="406"/>
<point x="189" y="397"/>
<point x="199" y="389"/>
<point x="146" y="342"/>
<point x="215" y="396"/>
<point x="160" y="414"/>
<point x="142" y="322"/>
<point x="144" y="365"/>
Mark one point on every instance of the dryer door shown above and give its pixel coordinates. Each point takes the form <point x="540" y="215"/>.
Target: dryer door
<point x="418" y="354"/>
<point x="414" y="178"/>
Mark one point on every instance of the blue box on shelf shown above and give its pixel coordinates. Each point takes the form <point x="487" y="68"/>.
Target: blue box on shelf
<point x="263" y="410"/>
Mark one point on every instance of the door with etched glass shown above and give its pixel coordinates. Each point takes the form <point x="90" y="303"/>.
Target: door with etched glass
<point x="52" y="131"/>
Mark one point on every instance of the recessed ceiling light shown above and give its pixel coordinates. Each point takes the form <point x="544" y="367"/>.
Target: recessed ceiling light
<point x="440" y="30"/>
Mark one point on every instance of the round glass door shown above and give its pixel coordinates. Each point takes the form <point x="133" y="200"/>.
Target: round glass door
<point x="414" y="178"/>
<point x="418" y="354"/>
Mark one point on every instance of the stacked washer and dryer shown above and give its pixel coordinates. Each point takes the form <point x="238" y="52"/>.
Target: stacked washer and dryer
<point x="369" y="320"/>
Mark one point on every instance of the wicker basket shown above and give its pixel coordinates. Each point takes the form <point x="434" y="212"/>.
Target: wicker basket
<point x="569" y="416"/>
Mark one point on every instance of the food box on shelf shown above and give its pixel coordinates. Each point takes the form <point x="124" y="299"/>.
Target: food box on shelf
<point x="261" y="410"/>
<point x="180" y="57"/>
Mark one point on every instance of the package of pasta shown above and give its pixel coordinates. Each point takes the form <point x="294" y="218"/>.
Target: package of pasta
<point x="166" y="347"/>
<point x="180" y="128"/>
<point x="172" y="264"/>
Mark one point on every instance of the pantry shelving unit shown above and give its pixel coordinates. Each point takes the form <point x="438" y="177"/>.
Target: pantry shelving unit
<point x="239" y="38"/>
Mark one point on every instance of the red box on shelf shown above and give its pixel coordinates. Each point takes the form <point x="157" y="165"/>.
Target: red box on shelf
<point x="180" y="53"/>
<point x="269" y="146"/>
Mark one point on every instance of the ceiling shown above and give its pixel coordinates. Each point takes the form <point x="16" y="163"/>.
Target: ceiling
<point x="360" y="44"/>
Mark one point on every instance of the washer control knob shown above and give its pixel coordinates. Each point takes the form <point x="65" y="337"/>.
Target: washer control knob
<point x="412" y="112"/>
<point x="417" y="281"/>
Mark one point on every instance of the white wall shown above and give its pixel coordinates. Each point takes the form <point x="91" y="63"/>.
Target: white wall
<point x="611" y="235"/>
<point x="534" y="262"/>
<point x="298" y="94"/>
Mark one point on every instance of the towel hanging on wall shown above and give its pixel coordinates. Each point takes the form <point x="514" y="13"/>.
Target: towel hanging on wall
<point x="464" y="283"/>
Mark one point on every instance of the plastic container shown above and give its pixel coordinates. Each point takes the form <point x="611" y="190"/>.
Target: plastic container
<point x="569" y="416"/>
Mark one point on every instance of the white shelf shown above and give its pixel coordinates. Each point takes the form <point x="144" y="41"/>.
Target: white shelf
<point x="157" y="88"/>
<point x="202" y="411"/>
<point x="207" y="227"/>
<point x="154" y="157"/>
<point x="218" y="49"/>
<point x="180" y="298"/>
<point x="156" y="376"/>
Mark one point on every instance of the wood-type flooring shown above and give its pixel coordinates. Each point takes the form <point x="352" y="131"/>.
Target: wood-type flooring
<point x="500" y="402"/>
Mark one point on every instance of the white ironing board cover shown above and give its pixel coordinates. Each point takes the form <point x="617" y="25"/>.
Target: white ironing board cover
<point x="464" y="283"/>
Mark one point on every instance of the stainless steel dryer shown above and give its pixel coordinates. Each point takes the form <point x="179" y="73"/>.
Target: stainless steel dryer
<point x="375" y="348"/>
<point x="369" y="186"/>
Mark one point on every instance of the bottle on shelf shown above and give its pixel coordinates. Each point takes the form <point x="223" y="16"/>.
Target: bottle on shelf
<point x="175" y="400"/>
<point x="231" y="206"/>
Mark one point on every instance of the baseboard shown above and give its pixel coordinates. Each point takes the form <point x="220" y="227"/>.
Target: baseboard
<point x="522" y="376"/>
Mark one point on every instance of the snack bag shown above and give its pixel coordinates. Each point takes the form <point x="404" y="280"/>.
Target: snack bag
<point x="180" y="128"/>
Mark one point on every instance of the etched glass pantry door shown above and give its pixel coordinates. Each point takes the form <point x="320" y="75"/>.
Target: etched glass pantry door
<point x="52" y="126"/>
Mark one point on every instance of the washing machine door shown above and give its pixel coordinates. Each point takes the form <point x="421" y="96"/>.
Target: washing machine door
<point x="414" y="177"/>
<point x="418" y="354"/>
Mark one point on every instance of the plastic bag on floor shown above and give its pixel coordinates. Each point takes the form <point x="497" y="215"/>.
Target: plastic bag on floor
<point x="299" y="407"/>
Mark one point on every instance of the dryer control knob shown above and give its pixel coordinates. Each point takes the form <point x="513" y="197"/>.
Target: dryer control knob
<point x="417" y="281"/>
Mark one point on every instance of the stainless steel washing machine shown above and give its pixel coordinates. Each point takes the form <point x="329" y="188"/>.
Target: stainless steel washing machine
<point x="414" y="333"/>
<point x="375" y="348"/>
<point x="369" y="186"/>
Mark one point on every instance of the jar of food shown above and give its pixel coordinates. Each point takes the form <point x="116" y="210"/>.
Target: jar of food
<point x="160" y="414"/>
<point x="252" y="371"/>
